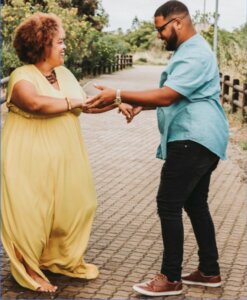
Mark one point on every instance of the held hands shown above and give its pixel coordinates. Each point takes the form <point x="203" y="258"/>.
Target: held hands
<point x="105" y="98"/>
<point x="129" y="111"/>
<point x="104" y="101"/>
<point x="126" y="109"/>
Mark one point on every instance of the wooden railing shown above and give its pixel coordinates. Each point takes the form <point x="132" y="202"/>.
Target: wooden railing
<point x="120" y="63"/>
<point x="234" y="95"/>
<point x="3" y="85"/>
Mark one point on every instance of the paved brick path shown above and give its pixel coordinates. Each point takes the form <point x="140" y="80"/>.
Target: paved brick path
<point x="125" y="241"/>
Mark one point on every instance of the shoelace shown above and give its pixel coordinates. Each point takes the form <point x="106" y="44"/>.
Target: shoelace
<point x="155" y="279"/>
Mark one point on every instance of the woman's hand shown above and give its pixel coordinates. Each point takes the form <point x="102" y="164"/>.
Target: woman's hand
<point x="95" y="110"/>
<point x="126" y="110"/>
<point x="137" y="110"/>
<point x="129" y="111"/>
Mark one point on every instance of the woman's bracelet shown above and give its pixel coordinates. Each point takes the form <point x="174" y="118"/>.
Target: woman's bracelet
<point x="68" y="103"/>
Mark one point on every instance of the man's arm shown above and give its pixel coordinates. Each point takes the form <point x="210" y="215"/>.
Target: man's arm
<point x="148" y="98"/>
<point x="151" y="98"/>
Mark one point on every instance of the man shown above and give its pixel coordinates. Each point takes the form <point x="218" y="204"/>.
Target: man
<point x="194" y="135"/>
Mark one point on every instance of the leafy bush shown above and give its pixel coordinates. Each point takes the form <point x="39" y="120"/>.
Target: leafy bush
<point x="232" y="50"/>
<point x="11" y="17"/>
<point x="86" y="44"/>
<point x="141" y="36"/>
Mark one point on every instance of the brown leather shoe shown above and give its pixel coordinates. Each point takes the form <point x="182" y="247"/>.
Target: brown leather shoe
<point x="159" y="286"/>
<point x="197" y="278"/>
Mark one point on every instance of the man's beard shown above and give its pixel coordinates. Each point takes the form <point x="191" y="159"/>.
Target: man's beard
<point x="171" y="43"/>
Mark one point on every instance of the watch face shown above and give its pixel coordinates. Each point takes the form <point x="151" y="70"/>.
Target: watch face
<point x="118" y="101"/>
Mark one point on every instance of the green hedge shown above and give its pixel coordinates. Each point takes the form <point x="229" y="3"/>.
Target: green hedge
<point x="86" y="45"/>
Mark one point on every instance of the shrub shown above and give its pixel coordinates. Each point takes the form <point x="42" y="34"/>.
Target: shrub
<point x="86" y="45"/>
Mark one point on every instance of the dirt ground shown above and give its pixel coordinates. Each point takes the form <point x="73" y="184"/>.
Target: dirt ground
<point x="238" y="144"/>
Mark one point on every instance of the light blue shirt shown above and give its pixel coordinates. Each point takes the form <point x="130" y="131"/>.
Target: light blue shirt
<point x="198" y="116"/>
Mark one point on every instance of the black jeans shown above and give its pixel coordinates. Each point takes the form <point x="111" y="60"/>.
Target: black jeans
<point x="184" y="183"/>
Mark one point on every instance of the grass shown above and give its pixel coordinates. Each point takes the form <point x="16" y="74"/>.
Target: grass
<point x="238" y="130"/>
<point x="243" y="145"/>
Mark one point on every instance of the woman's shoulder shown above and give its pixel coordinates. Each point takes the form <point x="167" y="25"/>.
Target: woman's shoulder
<point x="65" y="74"/>
<point x="24" y="68"/>
<point x="24" y="71"/>
<point x="64" y="70"/>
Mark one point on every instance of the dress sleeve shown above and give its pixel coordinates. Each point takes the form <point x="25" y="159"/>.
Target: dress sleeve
<point x="17" y="75"/>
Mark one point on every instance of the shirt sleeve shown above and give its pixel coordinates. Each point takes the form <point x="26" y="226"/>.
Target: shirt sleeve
<point x="187" y="76"/>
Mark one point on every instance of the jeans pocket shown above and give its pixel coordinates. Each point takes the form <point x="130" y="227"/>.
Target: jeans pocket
<point x="178" y="146"/>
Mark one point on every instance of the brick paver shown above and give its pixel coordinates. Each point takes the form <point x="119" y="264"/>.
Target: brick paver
<point x="126" y="239"/>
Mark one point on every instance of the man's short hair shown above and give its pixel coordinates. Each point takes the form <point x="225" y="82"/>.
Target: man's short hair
<point x="170" y="8"/>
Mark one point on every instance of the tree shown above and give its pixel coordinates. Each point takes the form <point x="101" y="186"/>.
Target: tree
<point x="84" y="42"/>
<point x="232" y="50"/>
<point x="91" y="9"/>
<point x="199" y="18"/>
<point x="142" y="36"/>
<point x="135" y="23"/>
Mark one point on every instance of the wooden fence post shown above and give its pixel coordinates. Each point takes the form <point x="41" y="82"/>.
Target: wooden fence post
<point x="114" y="66"/>
<point x="245" y="102"/>
<point x="110" y="68"/>
<point x="117" y="62"/>
<point x="235" y="95"/>
<point x="221" y="84"/>
<point x="131" y="60"/>
<point x="121" y="62"/>
<point x="94" y="71"/>
<point x="125" y="61"/>
<point x="225" y="88"/>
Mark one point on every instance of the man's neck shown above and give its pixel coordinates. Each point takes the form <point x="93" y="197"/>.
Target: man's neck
<point x="187" y="36"/>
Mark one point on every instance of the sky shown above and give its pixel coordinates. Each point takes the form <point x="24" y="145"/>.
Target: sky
<point x="233" y="13"/>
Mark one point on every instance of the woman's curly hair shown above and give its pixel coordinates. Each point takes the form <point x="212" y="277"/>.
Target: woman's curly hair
<point x="33" y="35"/>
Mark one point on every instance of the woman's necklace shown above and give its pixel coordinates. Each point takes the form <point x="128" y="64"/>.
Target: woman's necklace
<point x="52" y="78"/>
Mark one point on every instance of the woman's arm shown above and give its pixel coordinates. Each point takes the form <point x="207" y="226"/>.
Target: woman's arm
<point x="126" y="109"/>
<point x="25" y="96"/>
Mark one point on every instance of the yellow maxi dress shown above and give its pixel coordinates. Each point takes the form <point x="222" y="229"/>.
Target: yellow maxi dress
<point x="48" y="196"/>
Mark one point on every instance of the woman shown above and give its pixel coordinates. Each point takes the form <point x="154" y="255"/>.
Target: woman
<point x="48" y="196"/>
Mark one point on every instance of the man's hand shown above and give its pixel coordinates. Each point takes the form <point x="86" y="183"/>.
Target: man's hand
<point x="103" y="99"/>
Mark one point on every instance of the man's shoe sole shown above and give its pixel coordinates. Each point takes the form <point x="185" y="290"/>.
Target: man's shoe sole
<point x="217" y="284"/>
<point x="156" y="294"/>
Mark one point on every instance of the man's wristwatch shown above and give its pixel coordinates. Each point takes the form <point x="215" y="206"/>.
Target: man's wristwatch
<point x="118" y="99"/>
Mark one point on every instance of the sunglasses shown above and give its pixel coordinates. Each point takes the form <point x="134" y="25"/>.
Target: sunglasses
<point x="161" y="28"/>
